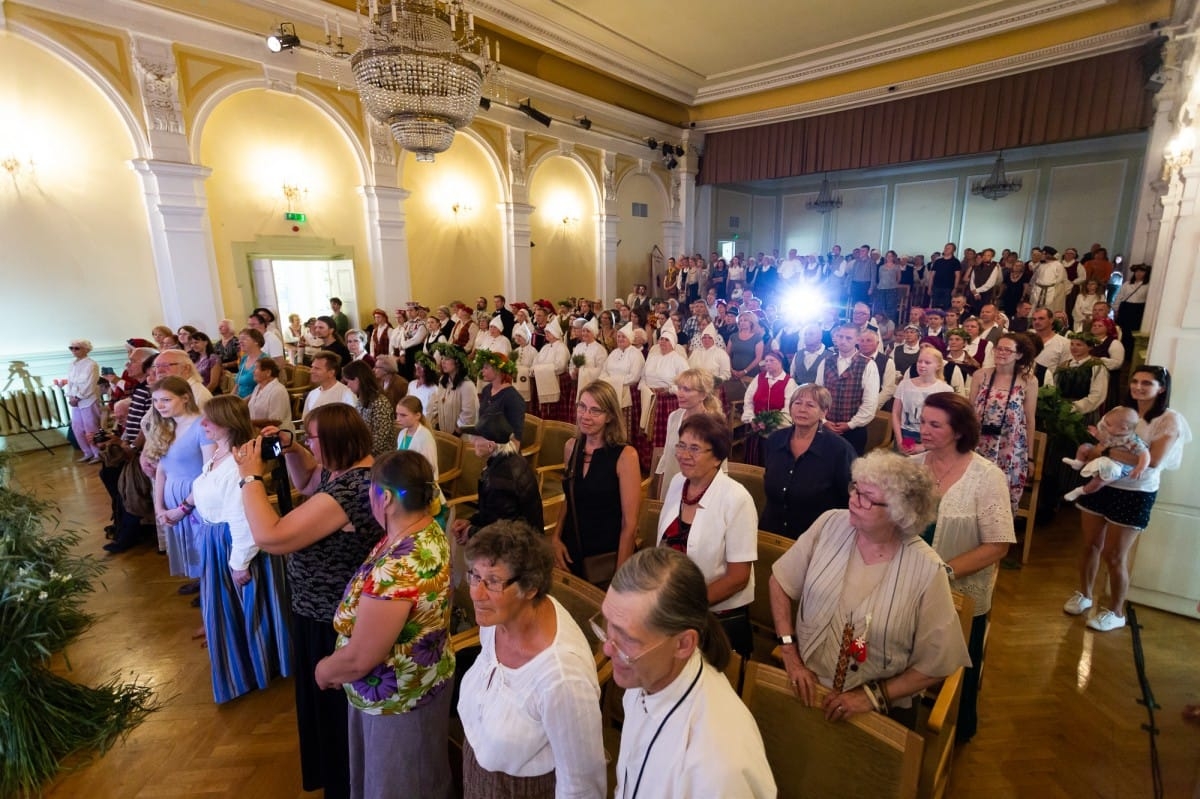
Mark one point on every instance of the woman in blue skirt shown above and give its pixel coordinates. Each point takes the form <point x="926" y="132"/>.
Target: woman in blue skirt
<point x="242" y="590"/>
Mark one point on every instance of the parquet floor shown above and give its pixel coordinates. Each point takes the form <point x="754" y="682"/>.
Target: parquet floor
<point x="1059" y="711"/>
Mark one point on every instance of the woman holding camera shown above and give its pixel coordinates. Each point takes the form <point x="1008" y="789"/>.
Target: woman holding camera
<point x="326" y="539"/>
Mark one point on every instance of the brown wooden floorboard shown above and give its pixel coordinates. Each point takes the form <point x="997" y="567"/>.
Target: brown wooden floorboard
<point x="1059" y="716"/>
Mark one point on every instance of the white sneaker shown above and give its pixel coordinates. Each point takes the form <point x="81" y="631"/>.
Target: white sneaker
<point x="1105" y="621"/>
<point x="1074" y="463"/>
<point x="1077" y="604"/>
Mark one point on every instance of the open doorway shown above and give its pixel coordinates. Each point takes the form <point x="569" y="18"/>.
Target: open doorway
<point x="303" y="287"/>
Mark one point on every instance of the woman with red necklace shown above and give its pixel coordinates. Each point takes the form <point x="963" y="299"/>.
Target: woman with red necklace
<point x="711" y="518"/>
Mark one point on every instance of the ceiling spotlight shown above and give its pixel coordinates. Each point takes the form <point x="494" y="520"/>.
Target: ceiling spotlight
<point x="485" y="103"/>
<point x="670" y="162"/>
<point x="667" y="149"/>
<point x="523" y="105"/>
<point x="584" y="122"/>
<point x="283" y="39"/>
<point x="652" y="143"/>
<point x="679" y="150"/>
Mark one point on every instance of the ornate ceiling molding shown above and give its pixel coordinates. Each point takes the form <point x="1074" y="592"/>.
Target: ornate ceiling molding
<point x="1068" y="51"/>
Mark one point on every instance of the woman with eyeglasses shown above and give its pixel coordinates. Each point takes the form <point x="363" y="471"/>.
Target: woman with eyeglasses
<point x="1005" y="399"/>
<point x="869" y="592"/>
<point x="974" y="525"/>
<point x="530" y="703"/>
<point x="695" y="392"/>
<point x="326" y="539"/>
<point x="602" y="484"/>
<point x="1112" y="517"/>
<point x="807" y="466"/>
<point x="711" y="518"/>
<point x="393" y="658"/>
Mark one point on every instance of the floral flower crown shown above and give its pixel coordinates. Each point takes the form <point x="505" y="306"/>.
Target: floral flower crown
<point x="427" y="362"/>
<point x="496" y="360"/>
<point x="448" y="350"/>
<point x="1086" y="338"/>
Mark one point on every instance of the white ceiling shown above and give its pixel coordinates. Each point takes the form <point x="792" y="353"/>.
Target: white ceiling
<point x="703" y="50"/>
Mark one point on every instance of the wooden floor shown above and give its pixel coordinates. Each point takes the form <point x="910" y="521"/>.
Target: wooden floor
<point x="1059" y="712"/>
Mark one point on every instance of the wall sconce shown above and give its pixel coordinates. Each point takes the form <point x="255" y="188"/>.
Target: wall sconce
<point x="15" y="167"/>
<point x="1178" y="152"/>
<point x="569" y="220"/>
<point x="462" y="207"/>
<point x="295" y="195"/>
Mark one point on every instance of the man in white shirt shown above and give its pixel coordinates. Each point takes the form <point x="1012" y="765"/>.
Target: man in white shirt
<point x="868" y="345"/>
<point x="686" y="733"/>
<point x="324" y="375"/>
<point x="808" y="359"/>
<point x="853" y="380"/>
<point x="273" y="344"/>
<point x="1055" y="348"/>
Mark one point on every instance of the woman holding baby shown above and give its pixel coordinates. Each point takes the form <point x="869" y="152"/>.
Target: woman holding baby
<point x="1112" y="516"/>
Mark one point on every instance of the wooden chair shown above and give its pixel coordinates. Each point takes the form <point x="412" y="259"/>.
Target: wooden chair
<point x="550" y="466"/>
<point x="531" y="439"/>
<point x="868" y="755"/>
<point x="449" y="456"/>
<point x="770" y="548"/>
<point x="582" y="600"/>
<point x="552" y="508"/>
<point x="879" y="432"/>
<point x="300" y="377"/>
<point x="470" y="468"/>
<point x="1028" y="506"/>
<point x="938" y="729"/>
<point x="647" y="529"/>
<point x="751" y="478"/>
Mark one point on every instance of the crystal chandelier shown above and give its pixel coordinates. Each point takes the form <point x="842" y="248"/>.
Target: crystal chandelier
<point x="420" y="70"/>
<point x="826" y="200"/>
<point x="997" y="184"/>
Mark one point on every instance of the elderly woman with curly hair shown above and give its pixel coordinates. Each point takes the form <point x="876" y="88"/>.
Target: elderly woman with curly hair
<point x="871" y="591"/>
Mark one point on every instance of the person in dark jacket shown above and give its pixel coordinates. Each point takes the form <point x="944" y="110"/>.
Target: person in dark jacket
<point x="508" y="488"/>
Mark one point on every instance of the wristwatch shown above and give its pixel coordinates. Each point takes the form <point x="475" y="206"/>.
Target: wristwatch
<point x="250" y="478"/>
<point x="785" y="640"/>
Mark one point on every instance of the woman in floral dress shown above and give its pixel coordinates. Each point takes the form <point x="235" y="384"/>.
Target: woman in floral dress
<point x="393" y="656"/>
<point x="1005" y="399"/>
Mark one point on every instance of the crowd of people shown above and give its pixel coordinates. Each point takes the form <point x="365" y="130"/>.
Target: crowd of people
<point x="782" y="363"/>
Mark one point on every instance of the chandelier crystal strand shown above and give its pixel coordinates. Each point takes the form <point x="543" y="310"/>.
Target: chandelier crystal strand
<point x="420" y="70"/>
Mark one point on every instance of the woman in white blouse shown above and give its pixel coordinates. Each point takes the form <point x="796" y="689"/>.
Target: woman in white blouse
<point x="529" y="705"/>
<point x="974" y="522"/>
<point x="84" y="398"/>
<point x="623" y="366"/>
<point x="242" y="590"/>
<point x="711" y="518"/>
<point x="711" y="357"/>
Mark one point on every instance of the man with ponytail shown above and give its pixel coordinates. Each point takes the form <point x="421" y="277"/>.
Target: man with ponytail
<point x="686" y="732"/>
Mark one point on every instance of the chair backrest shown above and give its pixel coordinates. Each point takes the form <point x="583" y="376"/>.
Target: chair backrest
<point x="965" y="607"/>
<point x="751" y="478"/>
<point x="938" y="729"/>
<point x="449" y="454"/>
<point x="867" y="756"/>
<point x="879" y="431"/>
<point x="582" y="600"/>
<point x="531" y="439"/>
<point x="468" y="479"/>
<point x="770" y="548"/>
<point x="301" y="376"/>
<point x="647" y="529"/>
<point x="1038" y="455"/>
<point x="554" y="439"/>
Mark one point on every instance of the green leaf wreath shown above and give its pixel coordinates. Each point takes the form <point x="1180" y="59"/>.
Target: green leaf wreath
<point x="47" y="722"/>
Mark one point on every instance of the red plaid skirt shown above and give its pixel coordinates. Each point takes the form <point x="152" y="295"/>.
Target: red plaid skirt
<point x="664" y="406"/>
<point x="564" y="409"/>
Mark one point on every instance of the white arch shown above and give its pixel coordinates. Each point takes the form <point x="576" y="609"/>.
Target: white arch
<point x="137" y="134"/>
<point x="597" y="194"/>
<point x="366" y="172"/>
<point x="649" y="175"/>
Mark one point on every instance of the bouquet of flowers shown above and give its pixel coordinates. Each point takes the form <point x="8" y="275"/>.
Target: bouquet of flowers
<point x="765" y="423"/>
<point x="580" y="361"/>
<point x="44" y="717"/>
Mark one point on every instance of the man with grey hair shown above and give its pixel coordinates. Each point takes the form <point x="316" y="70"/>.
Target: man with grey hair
<point x="686" y="732"/>
<point x="176" y="363"/>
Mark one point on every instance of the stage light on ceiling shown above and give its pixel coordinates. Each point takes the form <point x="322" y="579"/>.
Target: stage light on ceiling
<point x="584" y="122"/>
<point x="283" y="39"/>
<point x="524" y="106"/>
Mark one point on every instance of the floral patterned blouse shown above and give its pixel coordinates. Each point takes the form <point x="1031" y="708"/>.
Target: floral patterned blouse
<point x="415" y="569"/>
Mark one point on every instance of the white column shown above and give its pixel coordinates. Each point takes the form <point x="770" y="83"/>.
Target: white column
<point x="518" y="269"/>
<point x="672" y="237"/>
<point x="1147" y="216"/>
<point x="607" y="236"/>
<point x="387" y="246"/>
<point x="181" y="241"/>
<point x="695" y="208"/>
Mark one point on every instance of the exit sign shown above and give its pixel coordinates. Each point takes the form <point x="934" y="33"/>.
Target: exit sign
<point x="293" y="216"/>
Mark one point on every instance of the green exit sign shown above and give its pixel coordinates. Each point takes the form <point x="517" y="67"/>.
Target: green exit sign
<point x="293" y="216"/>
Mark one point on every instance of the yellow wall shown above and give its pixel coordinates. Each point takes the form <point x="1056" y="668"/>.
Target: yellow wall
<point x="454" y="256"/>
<point x="564" y="260"/>
<point x="73" y="231"/>
<point x="638" y="235"/>
<point x="255" y="141"/>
